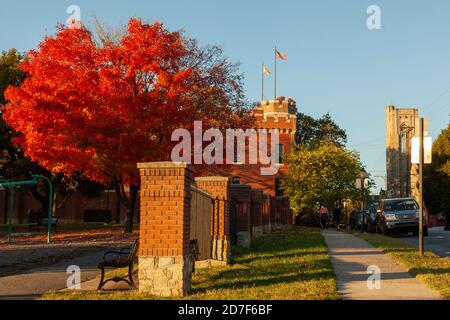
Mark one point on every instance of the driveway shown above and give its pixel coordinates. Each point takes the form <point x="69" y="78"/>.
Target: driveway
<point x="438" y="241"/>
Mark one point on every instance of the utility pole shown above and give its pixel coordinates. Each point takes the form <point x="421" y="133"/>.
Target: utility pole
<point x="400" y="178"/>
<point x="362" y="178"/>
<point x="421" y="161"/>
<point x="275" y="76"/>
<point x="362" y="206"/>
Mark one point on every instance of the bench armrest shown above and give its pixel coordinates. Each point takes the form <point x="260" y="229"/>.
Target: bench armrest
<point x="125" y="250"/>
<point x="115" y="253"/>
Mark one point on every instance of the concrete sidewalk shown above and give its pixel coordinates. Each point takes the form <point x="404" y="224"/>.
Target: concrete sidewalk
<point x="351" y="257"/>
<point x="33" y="283"/>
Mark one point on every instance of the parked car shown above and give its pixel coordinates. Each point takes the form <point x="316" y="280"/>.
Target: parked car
<point x="397" y="216"/>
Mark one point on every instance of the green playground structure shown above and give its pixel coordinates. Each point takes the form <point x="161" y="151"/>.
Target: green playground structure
<point x="11" y="185"/>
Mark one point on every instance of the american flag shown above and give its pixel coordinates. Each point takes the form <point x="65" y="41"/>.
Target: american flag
<point x="280" y="55"/>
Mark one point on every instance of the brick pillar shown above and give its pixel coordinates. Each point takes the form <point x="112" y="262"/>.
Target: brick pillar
<point x="241" y="193"/>
<point x="165" y="204"/>
<point x="256" y="212"/>
<point x="266" y="213"/>
<point x="218" y="187"/>
<point x="273" y="213"/>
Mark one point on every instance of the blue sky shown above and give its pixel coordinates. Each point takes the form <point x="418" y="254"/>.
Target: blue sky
<point x="335" y="63"/>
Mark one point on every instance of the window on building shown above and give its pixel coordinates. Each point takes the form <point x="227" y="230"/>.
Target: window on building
<point x="280" y="153"/>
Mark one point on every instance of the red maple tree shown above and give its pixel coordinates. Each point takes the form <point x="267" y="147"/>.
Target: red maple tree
<point x="100" y="109"/>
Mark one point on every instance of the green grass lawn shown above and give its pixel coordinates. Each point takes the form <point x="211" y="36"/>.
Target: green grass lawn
<point x="291" y="265"/>
<point x="431" y="269"/>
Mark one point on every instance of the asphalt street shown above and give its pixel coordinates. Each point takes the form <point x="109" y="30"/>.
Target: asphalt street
<point x="438" y="241"/>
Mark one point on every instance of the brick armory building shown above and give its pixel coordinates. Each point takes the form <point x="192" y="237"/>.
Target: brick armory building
<point x="274" y="114"/>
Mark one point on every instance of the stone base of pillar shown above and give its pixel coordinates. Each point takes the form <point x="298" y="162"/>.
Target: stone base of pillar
<point x="221" y="250"/>
<point x="165" y="276"/>
<point x="267" y="228"/>
<point x="257" y="231"/>
<point x="243" y="239"/>
<point x="208" y="264"/>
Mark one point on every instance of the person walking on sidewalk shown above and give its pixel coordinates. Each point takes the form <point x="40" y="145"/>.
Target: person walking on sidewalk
<point x="323" y="213"/>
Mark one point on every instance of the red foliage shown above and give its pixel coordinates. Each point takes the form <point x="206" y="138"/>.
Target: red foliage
<point x="100" y="110"/>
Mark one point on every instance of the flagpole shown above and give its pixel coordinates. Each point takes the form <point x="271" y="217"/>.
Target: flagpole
<point x="262" y="82"/>
<point x="275" y="75"/>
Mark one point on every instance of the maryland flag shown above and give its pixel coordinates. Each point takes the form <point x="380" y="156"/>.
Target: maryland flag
<point x="266" y="71"/>
<point x="280" y="55"/>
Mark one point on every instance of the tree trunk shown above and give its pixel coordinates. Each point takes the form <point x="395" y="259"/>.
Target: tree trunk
<point x="43" y="199"/>
<point x="131" y="208"/>
<point x="118" y="204"/>
<point x="54" y="207"/>
<point x="128" y="202"/>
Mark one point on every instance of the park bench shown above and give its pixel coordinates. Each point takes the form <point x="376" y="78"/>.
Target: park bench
<point x="124" y="258"/>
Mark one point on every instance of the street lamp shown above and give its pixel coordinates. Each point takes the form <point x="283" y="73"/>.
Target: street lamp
<point x="361" y="184"/>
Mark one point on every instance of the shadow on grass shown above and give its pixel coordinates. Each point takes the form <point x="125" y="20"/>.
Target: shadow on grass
<point x="427" y="271"/>
<point x="268" y="280"/>
<point x="287" y="257"/>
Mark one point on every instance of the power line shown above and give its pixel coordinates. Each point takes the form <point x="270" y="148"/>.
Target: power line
<point x="439" y="97"/>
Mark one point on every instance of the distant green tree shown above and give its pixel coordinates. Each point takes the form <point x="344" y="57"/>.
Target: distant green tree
<point x="437" y="177"/>
<point x="311" y="131"/>
<point x="10" y="74"/>
<point x="323" y="175"/>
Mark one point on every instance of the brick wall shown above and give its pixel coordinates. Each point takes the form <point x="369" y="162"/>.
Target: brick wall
<point x="241" y="193"/>
<point x="256" y="212"/>
<point x="274" y="216"/>
<point x="266" y="213"/>
<point x="71" y="212"/>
